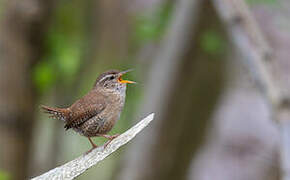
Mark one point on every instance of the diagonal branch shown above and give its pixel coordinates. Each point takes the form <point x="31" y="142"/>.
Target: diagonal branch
<point x="249" y="40"/>
<point x="79" y="165"/>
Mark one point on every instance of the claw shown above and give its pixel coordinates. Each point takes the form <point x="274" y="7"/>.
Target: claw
<point x="110" y="139"/>
<point x="95" y="146"/>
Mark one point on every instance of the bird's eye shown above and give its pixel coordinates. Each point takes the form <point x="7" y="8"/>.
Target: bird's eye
<point x="112" y="77"/>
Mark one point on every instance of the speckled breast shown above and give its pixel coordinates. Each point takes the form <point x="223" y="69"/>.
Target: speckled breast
<point x="103" y="122"/>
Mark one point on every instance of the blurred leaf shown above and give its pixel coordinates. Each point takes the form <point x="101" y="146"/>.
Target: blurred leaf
<point x="63" y="45"/>
<point x="152" y="27"/>
<point x="1" y="9"/>
<point x="44" y="75"/>
<point x="4" y="175"/>
<point x="69" y="61"/>
<point x="262" y="2"/>
<point x="65" y="54"/>
<point x="212" y="42"/>
<point x="146" y="30"/>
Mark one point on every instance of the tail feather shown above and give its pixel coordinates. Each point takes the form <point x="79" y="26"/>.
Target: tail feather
<point x="56" y="113"/>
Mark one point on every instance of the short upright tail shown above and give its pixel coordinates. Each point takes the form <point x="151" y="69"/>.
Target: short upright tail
<point x="57" y="113"/>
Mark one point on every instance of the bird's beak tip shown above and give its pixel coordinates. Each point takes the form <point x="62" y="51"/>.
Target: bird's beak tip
<point x="126" y="71"/>
<point x="126" y="81"/>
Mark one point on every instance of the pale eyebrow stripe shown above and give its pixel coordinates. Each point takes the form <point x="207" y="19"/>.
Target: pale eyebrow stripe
<point x="106" y="76"/>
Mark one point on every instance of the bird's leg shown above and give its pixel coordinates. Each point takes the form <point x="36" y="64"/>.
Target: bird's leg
<point x="93" y="144"/>
<point x="108" y="137"/>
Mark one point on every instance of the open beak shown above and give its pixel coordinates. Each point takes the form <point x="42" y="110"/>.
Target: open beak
<point x="125" y="81"/>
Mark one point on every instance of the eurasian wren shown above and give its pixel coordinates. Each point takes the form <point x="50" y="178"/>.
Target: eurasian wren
<point x="96" y="113"/>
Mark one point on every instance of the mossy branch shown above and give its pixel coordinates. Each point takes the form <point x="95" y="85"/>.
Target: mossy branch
<point x="79" y="165"/>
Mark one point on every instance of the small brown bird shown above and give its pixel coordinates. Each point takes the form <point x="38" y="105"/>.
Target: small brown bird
<point x="96" y="113"/>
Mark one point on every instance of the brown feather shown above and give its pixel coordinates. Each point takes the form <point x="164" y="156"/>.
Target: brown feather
<point x="85" y="108"/>
<point x="57" y="113"/>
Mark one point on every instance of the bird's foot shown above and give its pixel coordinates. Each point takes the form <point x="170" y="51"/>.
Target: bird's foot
<point x="108" y="136"/>
<point x="93" y="147"/>
<point x="114" y="136"/>
<point x="110" y="139"/>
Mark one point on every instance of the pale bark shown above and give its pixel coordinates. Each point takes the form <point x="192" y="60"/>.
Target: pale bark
<point x="78" y="166"/>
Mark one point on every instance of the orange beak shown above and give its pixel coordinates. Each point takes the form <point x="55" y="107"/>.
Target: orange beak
<point x="125" y="81"/>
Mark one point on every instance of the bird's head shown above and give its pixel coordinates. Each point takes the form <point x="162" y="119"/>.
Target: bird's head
<point x="112" y="80"/>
